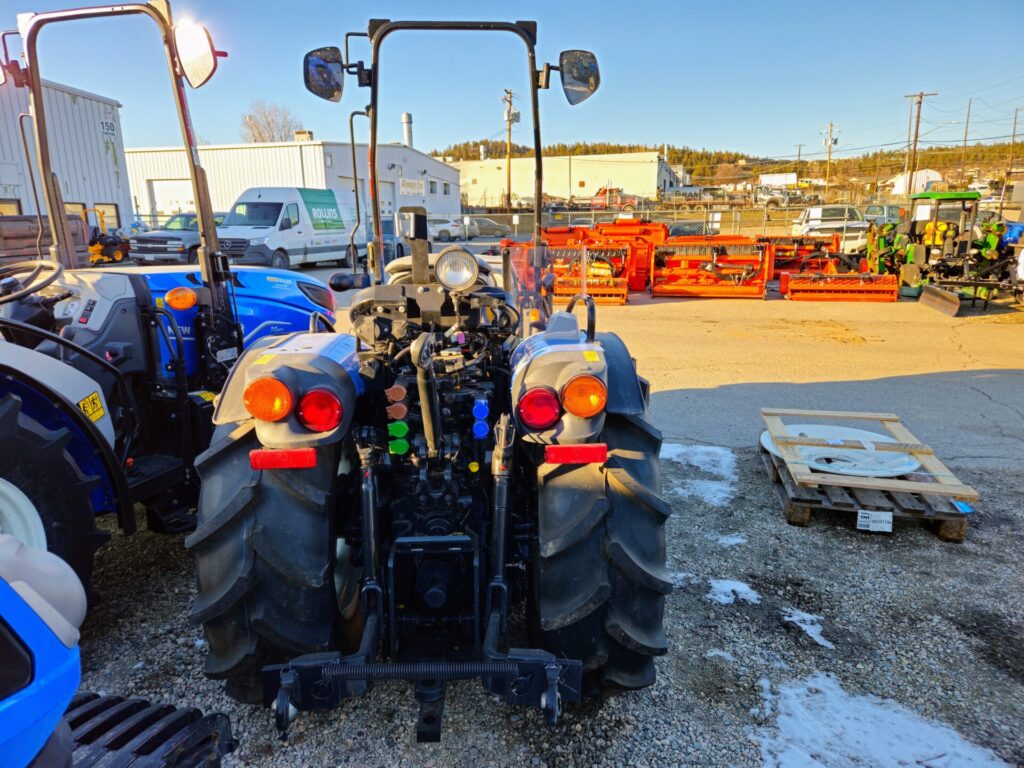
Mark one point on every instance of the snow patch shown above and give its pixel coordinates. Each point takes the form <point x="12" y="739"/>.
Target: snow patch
<point x="726" y="592"/>
<point x="710" y="459"/>
<point x="809" y="623"/>
<point x="820" y="724"/>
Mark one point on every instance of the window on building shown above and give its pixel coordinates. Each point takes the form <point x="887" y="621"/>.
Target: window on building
<point x="292" y="214"/>
<point x="433" y="187"/>
<point x="473" y="181"/>
<point x="111" y="216"/>
<point x="74" y="209"/>
<point x="583" y="184"/>
<point x="447" y="188"/>
<point x="10" y="207"/>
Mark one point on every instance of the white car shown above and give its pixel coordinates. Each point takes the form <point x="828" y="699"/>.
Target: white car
<point x="827" y="219"/>
<point x="444" y="229"/>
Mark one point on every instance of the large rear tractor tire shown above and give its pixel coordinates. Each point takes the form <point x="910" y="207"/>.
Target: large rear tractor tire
<point x="599" y="581"/>
<point x="45" y="498"/>
<point x="265" y="553"/>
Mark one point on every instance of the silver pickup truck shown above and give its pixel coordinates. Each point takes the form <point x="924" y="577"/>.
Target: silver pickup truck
<point x="176" y="242"/>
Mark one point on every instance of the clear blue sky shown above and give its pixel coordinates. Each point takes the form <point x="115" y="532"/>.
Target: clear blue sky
<point x="753" y="76"/>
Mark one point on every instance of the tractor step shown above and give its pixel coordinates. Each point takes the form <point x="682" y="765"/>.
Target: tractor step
<point x="112" y="730"/>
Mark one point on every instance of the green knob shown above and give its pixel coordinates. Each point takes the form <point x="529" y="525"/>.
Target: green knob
<point x="399" y="446"/>
<point x="398" y="429"/>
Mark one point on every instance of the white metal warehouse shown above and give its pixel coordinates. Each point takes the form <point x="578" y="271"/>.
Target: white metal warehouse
<point x="86" y="147"/>
<point x="160" y="186"/>
<point x="571" y="176"/>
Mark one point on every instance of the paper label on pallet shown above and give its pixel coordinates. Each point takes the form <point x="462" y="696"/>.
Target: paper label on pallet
<point x="868" y="520"/>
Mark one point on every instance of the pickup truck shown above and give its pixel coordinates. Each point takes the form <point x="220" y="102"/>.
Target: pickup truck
<point x="176" y="241"/>
<point x="613" y="198"/>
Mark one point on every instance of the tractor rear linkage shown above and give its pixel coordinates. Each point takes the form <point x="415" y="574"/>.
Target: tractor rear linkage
<point x="525" y="676"/>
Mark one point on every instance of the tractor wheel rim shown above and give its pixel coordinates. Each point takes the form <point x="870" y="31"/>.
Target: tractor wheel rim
<point x="19" y="516"/>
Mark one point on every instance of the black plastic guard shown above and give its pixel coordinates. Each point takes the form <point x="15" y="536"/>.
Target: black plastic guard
<point x="625" y="394"/>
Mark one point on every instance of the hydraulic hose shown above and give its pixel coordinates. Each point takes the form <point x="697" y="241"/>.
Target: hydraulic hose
<point x="430" y="410"/>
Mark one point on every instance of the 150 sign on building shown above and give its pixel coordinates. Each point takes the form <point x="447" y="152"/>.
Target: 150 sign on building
<point x="322" y="207"/>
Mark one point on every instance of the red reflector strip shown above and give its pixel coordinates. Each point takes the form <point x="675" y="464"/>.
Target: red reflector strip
<point x="285" y="458"/>
<point x="586" y="453"/>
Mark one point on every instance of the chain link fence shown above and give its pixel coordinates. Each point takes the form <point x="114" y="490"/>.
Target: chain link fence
<point x="697" y="220"/>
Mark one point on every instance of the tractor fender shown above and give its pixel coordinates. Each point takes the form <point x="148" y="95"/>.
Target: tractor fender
<point x="303" y="361"/>
<point x="64" y="381"/>
<point x="625" y="387"/>
<point x="90" y="446"/>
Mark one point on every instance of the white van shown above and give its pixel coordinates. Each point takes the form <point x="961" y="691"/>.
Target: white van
<point x="285" y="226"/>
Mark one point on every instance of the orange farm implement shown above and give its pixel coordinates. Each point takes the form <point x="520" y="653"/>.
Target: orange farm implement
<point x="830" y="285"/>
<point x="801" y="253"/>
<point x="712" y="266"/>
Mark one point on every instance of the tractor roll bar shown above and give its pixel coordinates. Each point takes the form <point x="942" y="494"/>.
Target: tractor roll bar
<point x="213" y="268"/>
<point x="378" y="30"/>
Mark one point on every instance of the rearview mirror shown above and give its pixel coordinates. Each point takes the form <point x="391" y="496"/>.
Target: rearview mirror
<point x="580" y="75"/>
<point x="196" y="54"/>
<point x="324" y="73"/>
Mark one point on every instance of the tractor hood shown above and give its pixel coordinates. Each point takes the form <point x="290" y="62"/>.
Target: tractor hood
<point x="267" y="301"/>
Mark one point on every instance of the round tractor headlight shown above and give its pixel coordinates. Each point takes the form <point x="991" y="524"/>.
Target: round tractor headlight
<point x="456" y="269"/>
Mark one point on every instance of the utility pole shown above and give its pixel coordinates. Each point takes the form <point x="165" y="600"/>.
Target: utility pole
<point x="963" y="152"/>
<point x="507" y="100"/>
<point x="910" y="125"/>
<point x="829" y="141"/>
<point x="919" y="96"/>
<point x="1009" y="166"/>
<point x="798" y="148"/>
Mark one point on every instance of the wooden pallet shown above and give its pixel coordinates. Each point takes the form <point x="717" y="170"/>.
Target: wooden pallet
<point x="935" y="495"/>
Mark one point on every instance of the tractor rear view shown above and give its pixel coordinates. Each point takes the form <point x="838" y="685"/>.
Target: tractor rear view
<point x="378" y="506"/>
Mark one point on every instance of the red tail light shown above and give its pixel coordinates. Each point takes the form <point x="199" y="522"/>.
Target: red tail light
<point x="585" y="453"/>
<point x="285" y="458"/>
<point x="320" y="410"/>
<point x="539" y="408"/>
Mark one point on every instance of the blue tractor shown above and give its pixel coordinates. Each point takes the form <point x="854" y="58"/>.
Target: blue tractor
<point x="108" y="375"/>
<point x="45" y="722"/>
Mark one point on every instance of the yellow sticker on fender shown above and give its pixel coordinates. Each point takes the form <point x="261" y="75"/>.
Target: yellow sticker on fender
<point x="591" y="356"/>
<point x="264" y="358"/>
<point x="205" y="394"/>
<point x="92" y="406"/>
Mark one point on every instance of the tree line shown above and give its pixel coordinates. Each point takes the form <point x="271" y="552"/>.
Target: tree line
<point x="708" y="166"/>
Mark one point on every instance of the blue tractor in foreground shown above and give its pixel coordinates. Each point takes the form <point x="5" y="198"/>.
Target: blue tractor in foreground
<point x="108" y="375"/>
<point x="45" y="721"/>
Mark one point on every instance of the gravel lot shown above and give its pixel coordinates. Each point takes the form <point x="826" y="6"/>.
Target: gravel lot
<point x="937" y="627"/>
